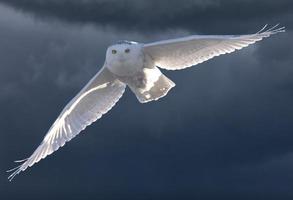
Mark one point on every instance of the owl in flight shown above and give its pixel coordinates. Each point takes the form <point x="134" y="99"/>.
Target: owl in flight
<point x="135" y="65"/>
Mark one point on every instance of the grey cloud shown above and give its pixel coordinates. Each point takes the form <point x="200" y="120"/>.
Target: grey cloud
<point x="204" y="16"/>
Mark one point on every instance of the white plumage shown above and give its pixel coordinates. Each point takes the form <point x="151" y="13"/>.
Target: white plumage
<point x="134" y="64"/>
<point x="185" y="52"/>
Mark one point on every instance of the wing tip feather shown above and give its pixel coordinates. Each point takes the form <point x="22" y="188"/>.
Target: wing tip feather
<point x="271" y="31"/>
<point x="16" y="170"/>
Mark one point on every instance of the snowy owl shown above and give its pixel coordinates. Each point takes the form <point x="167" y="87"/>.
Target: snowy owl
<point x="135" y="65"/>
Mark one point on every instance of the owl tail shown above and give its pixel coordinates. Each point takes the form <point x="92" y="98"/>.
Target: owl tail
<point x="151" y="86"/>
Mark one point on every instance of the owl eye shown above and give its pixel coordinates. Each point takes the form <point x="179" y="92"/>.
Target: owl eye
<point x="127" y="50"/>
<point x="114" y="51"/>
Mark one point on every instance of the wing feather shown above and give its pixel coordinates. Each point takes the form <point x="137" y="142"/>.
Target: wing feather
<point x="185" y="52"/>
<point x="95" y="99"/>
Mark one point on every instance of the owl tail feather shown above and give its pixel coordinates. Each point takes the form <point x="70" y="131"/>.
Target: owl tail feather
<point x="159" y="89"/>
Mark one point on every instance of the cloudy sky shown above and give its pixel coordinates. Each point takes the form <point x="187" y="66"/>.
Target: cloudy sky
<point x="224" y="132"/>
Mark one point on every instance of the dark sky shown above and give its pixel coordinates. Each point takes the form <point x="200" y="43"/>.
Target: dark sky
<point x="224" y="132"/>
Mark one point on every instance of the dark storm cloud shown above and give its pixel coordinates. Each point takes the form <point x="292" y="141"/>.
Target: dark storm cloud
<point x="213" y="16"/>
<point x="224" y="131"/>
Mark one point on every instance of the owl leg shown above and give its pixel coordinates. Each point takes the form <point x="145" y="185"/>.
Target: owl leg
<point x="150" y="85"/>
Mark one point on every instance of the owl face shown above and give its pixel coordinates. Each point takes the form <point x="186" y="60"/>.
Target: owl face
<point x="124" y="59"/>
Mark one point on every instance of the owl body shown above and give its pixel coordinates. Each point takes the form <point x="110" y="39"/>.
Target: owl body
<point x="132" y="66"/>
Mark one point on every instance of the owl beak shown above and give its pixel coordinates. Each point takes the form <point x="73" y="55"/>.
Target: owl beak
<point x="121" y="59"/>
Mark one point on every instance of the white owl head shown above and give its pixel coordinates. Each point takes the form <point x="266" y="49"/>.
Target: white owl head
<point x="123" y="57"/>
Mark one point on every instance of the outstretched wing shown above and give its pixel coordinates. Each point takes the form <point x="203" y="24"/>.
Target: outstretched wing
<point x="185" y="52"/>
<point x="94" y="100"/>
